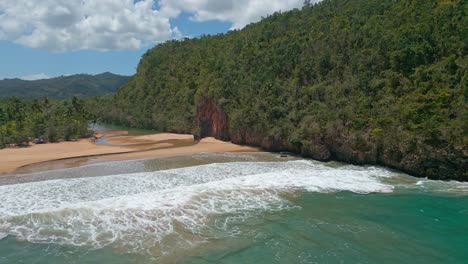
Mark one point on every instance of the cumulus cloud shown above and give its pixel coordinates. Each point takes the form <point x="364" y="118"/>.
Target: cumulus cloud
<point x="33" y="77"/>
<point x="63" y="25"/>
<point x="86" y="24"/>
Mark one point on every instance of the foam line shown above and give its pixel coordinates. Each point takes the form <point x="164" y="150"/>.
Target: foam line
<point x="143" y="211"/>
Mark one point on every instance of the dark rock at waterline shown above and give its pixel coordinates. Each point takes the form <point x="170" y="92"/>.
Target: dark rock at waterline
<point x="416" y="157"/>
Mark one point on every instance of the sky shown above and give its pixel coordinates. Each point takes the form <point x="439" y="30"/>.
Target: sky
<point x="49" y="38"/>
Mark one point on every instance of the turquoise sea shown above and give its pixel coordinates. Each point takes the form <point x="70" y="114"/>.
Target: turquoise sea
<point x="231" y="208"/>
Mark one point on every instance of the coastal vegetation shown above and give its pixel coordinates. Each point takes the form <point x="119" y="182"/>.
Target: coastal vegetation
<point x="363" y="81"/>
<point x="22" y="121"/>
<point x="63" y="87"/>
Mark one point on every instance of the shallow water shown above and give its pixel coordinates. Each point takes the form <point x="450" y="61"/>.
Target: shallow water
<point x="131" y="131"/>
<point x="231" y="208"/>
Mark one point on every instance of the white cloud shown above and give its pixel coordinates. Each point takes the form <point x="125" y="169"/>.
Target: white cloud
<point x="238" y="12"/>
<point x="63" y="25"/>
<point x="33" y="77"/>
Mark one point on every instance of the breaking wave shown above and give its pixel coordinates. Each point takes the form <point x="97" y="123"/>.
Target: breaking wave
<point x="153" y="211"/>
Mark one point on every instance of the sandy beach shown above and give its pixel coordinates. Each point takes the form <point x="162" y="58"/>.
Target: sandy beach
<point x="116" y="147"/>
<point x="146" y="139"/>
<point x="206" y="145"/>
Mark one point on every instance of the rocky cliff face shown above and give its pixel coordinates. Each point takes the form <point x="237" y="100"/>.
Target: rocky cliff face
<point x="211" y="121"/>
<point x="434" y="163"/>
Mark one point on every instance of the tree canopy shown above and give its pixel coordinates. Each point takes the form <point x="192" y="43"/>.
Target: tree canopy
<point x="21" y="121"/>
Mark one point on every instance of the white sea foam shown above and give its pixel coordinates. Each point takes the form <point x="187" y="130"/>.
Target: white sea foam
<point x="152" y="211"/>
<point x="447" y="187"/>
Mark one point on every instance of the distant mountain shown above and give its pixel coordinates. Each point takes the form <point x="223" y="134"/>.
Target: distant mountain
<point x="80" y="85"/>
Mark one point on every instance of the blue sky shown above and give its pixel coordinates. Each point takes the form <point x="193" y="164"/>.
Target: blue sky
<point x="19" y="61"/>
<point x="50" y="38"/>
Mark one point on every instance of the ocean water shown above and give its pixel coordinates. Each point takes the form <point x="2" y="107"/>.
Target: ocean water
<point x="231" y="208"/>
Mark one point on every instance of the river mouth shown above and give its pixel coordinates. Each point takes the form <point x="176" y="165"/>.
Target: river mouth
<point x="101" y="158"/>
<point x="211" y="208"/>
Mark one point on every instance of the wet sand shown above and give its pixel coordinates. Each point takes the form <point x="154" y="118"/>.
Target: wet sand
<point x="146" y="139"/>
<point x="116" y="147"/>
<point x="206" y="145"/>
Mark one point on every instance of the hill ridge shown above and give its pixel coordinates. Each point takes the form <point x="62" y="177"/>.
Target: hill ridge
<point x="365" y="81"/>
<point x="65" y="86"/>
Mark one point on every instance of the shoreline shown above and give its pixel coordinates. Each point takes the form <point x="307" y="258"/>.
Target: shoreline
<point x="116" y="147"/>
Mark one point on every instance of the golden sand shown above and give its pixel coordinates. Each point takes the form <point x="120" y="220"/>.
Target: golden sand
<point x="121" y="148"/>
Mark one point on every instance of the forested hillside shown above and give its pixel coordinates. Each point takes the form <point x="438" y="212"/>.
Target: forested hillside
<point x="362" y="81"/>
<point x="80" y="85"/>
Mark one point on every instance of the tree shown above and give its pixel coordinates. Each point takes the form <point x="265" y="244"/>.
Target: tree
<point x="3" y="117"/>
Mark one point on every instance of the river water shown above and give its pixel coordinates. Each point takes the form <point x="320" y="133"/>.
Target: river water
<point x="231" y="208"/>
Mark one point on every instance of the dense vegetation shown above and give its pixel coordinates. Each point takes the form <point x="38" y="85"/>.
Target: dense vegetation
<point x="361" y="81"/>
<point x="64" y="87"/>
<point x="24" y="120"/>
